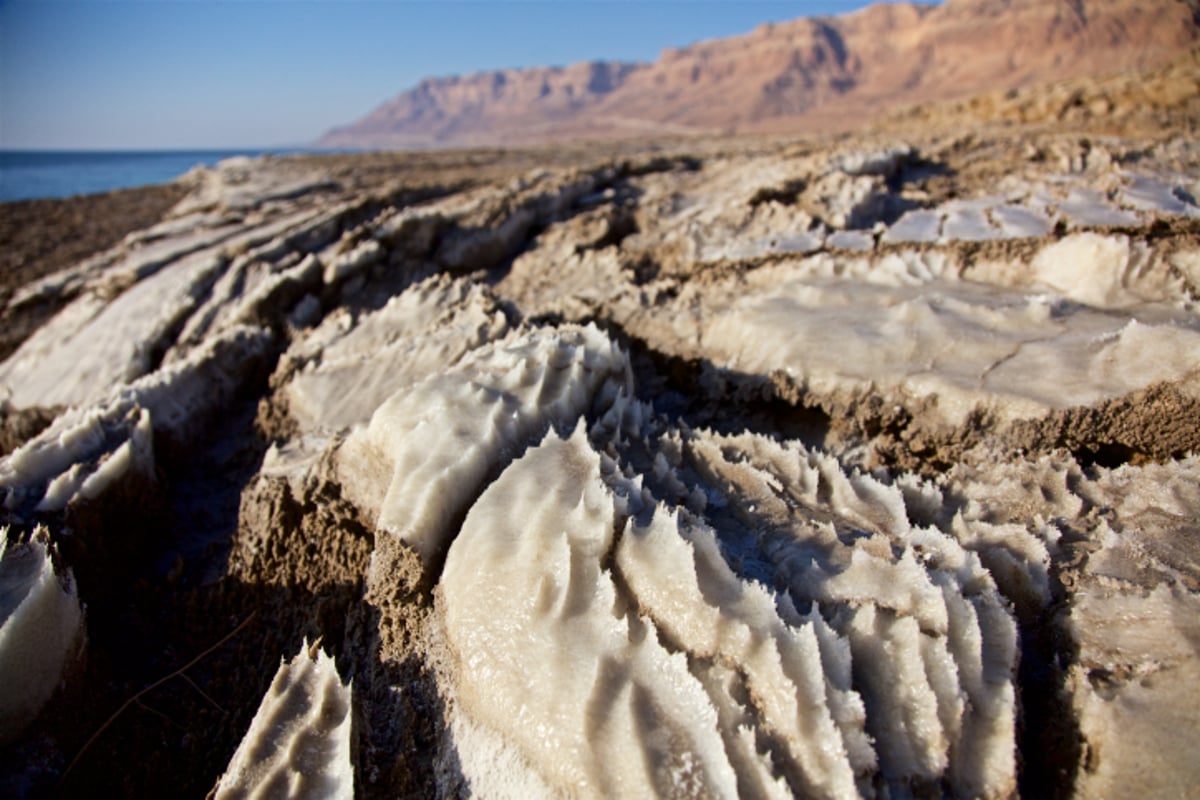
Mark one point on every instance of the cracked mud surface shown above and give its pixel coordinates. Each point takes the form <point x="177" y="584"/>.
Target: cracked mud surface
<point x="756" y="468"/>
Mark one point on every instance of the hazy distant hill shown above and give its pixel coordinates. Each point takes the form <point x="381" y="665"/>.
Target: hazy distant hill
<point x="804" y="75"/>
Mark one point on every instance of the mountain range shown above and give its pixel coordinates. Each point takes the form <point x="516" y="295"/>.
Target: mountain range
<point x="807" y="75"/>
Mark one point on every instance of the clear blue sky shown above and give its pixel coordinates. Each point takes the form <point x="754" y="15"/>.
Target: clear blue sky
<point x="114" y="74"/>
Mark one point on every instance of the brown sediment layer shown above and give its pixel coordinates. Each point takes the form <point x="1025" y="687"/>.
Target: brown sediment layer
<point x="18" y="426"/>
<point x="1156" y="424"/>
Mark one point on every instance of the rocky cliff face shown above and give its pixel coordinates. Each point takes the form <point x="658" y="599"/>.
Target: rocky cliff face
<point x="455" y="108"/>
<point x="805" y="75"/>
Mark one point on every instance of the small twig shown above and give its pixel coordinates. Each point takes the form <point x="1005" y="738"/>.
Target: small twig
<point x="158" y="714"/>
<point x="137" y="697"/>
<point x="196" y="686"/>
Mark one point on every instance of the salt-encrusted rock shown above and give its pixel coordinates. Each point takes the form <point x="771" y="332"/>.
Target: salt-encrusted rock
<point x="851" y="240"/>
<point x="918" y="617"/>
<point x="340" y="266"/>
<point x="86" y="450"/>
<point x="1136" y="689"/>
<point x="41" y="629"/>
<point x="852" y="201"/>
<point x="242" y="184"/>
<point x="298" y="744"/>
<point x="886" y="162"/>
<point x="1016" y="354"/>
<point x="489" y="229"/>
<point x="915" y="226"/>
<point x="97" y="342"/>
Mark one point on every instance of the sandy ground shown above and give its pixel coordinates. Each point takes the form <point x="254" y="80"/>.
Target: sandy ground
<point x="965" y="366"/>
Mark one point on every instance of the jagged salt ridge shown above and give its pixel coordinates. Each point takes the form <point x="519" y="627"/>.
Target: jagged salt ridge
<point x="548" y="653"/>
<point x="842" y="542"/>
<point x="917" y="646"/>
<point x="130" y="314"/>
<point x="87" y="449"/>
<point x="41" y="629"/>
<point x="917" y="659"/>
<point x="298" y="744"/>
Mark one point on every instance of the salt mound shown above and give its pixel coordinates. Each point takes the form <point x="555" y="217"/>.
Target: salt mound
<point x="1018" y="354"/>
<point x="428" y="449"/>
<point x="1137" y="681"/>
<point x="95" y="343"/>
<point x="351" y="366"/>
<point x="87" y="449"/>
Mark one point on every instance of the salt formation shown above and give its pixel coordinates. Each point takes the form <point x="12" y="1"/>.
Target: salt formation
<point x="86" y="450"/>
<point x="781" y="470"/>
<point x="1017" y="222"/>
<point x="95" y="343"/>
<point x="1133" y="611"/>
<point x="1139" y="658"/>
<point x="80" y="456"/>
<point x="1148" y="194"/>
<point x="428" y="450"/>
<point x="548" y="654"/>
<point x="842" y="544"/>
<point x="41" y="630"/>
<point x="347" y="368"/>
<point x="1088" y="208"/>
<point x="298" y="744"/>
<point x="914" y="226"/>
<point x="917" y="655"/>
<point x="1135" y="618"/>
<point x="1014" y="354"/>
<point x="238" y="184"/>
<point x="943" y="335"/>
<point x="127" y="316"/>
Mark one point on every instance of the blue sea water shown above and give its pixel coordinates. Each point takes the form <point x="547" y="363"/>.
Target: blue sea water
<point x="29" y="174"/>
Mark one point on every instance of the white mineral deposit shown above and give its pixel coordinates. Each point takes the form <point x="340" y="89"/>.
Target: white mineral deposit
<point x="859" y="466"/>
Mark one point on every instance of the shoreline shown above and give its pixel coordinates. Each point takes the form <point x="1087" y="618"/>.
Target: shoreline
<point x="65" y="174"/>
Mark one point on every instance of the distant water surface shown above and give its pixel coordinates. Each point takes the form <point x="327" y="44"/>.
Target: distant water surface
<point x="29" y="174"/>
